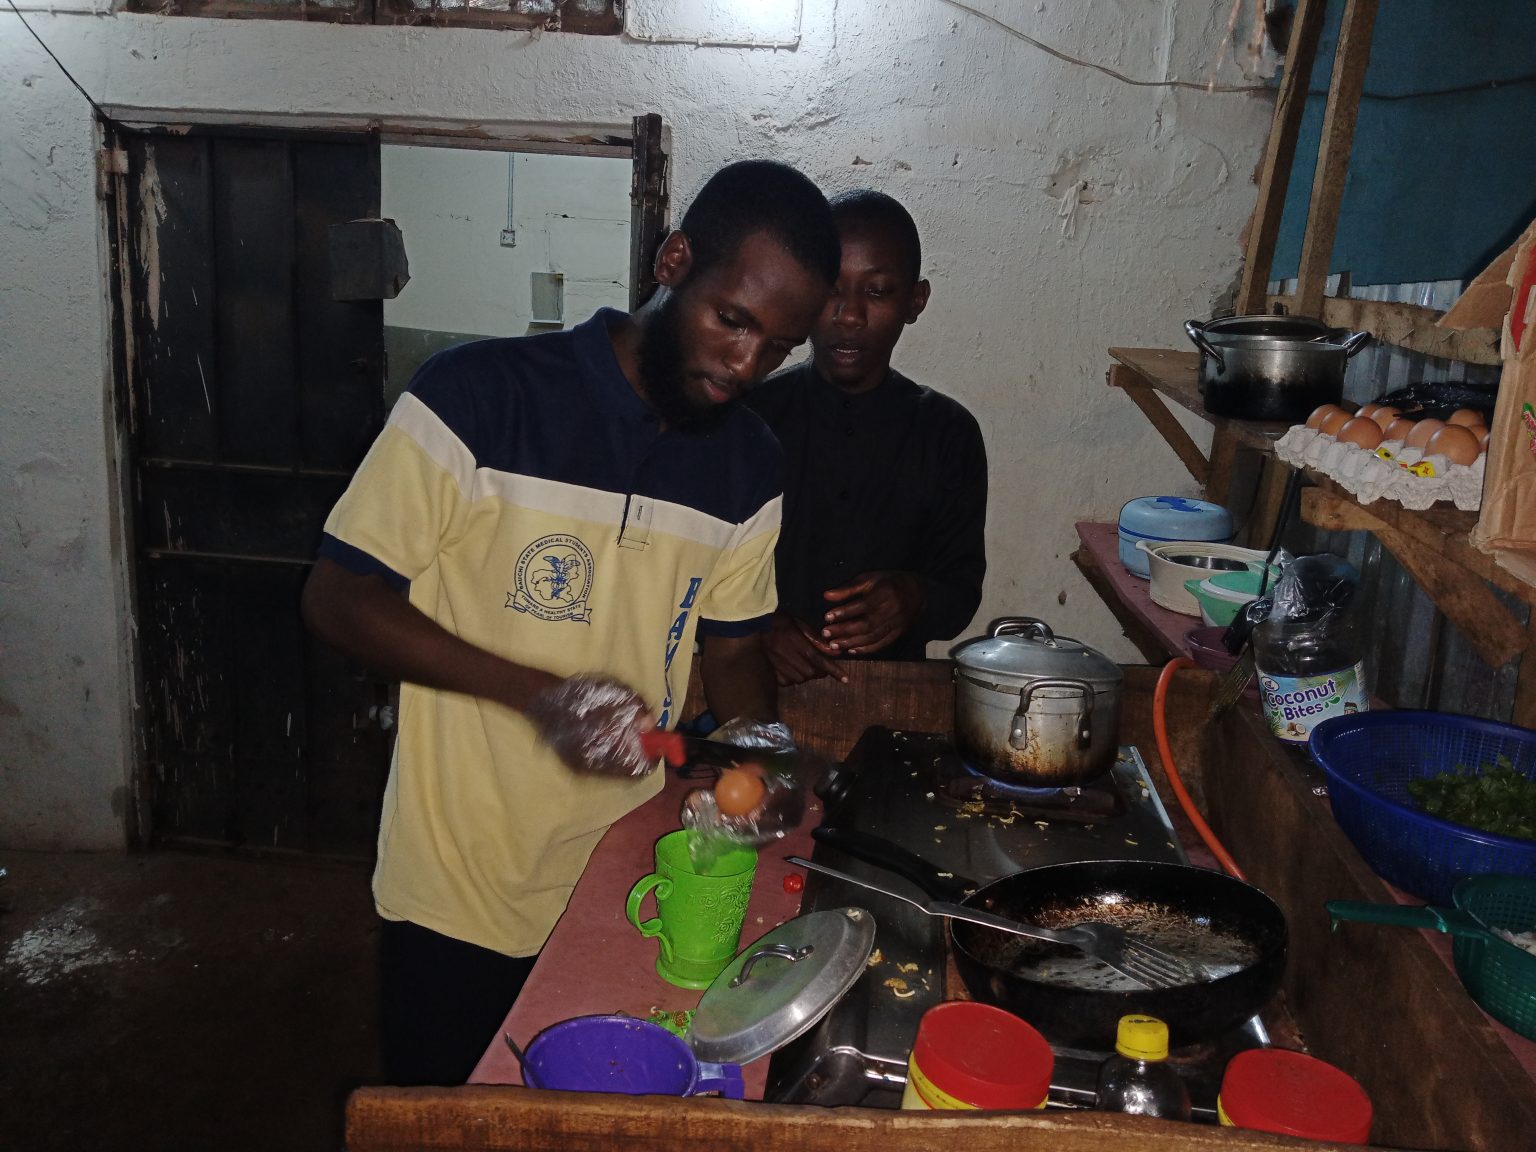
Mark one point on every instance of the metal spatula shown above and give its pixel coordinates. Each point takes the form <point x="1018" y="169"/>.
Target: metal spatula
<point x="1112" y="946"/>
<point x="1240" y="632"/>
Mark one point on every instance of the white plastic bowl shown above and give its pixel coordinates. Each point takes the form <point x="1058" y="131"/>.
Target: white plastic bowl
<point x="1167" y="578"/>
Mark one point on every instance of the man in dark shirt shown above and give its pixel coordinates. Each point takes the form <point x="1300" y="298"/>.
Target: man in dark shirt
<point x="885" y="481"/>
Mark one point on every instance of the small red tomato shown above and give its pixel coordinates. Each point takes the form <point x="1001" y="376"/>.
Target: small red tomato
<point x="794" y="882"/>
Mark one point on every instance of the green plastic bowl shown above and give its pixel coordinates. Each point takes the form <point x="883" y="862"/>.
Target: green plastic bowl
<point x="1216" y="610"/>
<point x="1243" y="584"/>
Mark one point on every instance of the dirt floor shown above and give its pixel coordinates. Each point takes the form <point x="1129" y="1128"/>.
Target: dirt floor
<point x="175" y="1000"/>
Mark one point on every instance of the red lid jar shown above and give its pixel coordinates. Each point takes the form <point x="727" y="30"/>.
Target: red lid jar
<point x="1293" y="1094"/>
<point x="970" y="1055"/>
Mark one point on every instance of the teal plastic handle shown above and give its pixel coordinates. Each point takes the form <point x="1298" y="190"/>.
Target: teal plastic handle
<point x="1451" y="920"/>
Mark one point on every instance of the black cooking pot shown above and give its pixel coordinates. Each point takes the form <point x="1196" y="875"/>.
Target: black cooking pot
<point x="1197" y="913"/>
<point x="1271" y="367"/>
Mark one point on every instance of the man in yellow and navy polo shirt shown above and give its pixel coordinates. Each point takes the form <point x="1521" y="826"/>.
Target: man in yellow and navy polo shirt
<point x="531" y="546"/>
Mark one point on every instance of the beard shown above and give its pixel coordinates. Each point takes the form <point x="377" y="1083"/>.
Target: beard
<point x="661" y="372"/>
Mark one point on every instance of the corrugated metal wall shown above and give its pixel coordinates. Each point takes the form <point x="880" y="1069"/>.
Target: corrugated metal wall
<point x="1416" y="658"/>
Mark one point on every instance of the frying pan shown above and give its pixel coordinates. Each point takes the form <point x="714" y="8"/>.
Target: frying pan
<point x="1206" y="917"/>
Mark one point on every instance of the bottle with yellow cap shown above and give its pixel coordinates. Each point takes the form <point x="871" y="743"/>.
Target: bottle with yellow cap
<point x="1138" y="1078"/>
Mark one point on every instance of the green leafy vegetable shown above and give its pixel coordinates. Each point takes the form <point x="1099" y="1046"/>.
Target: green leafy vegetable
<point x="1499" y="799"/>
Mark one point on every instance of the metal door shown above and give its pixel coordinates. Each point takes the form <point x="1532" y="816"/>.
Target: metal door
<point x="252" y="395"/>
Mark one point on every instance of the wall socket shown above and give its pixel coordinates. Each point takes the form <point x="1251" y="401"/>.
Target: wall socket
<point x="509" y="238"/>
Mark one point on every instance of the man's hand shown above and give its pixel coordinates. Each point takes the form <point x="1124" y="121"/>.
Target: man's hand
<point x="871" y="612"/>
<point x="796" y="654"/>
<point x="594" y="725"/>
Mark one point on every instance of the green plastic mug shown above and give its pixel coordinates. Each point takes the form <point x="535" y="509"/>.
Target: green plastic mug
<point x="699" y="909"/>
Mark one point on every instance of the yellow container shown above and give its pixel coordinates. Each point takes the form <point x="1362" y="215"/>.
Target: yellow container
<point x="970" y="1055"/>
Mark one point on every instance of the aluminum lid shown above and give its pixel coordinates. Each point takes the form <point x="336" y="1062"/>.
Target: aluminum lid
<point x="1264" y="324"/>
<point x="1021" y="649"/>
<point x="781" y="998"/>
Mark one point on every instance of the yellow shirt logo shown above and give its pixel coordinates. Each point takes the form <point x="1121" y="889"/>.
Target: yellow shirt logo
<point x="554" y="579"/>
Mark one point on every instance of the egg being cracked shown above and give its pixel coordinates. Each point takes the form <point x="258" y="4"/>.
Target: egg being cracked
<point x="739" y="790"/>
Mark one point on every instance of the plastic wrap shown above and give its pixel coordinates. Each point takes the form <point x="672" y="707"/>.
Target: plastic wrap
<point x="1307" y="650"/>
<point x="594" y="724"/>
<point x="774" y="816"/>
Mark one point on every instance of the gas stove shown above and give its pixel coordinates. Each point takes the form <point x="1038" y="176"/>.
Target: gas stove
<point x="913" y="788"/>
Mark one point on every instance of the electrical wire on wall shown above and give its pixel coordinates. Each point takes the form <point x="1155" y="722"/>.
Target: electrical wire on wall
<point x="1110" y="72"/>
<point x="1198" y="86"/>
<point x="95" y="107"/>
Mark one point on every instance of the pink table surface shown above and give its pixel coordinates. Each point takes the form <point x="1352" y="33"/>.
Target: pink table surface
<point x="596" y="962"/>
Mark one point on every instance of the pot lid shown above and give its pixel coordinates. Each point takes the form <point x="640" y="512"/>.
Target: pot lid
<point x="1263" y="324"/>
<point x="777" y="988"/>
<point x="1020" y="649"/>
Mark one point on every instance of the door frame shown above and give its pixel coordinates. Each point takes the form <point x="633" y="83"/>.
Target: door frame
<point x="646" y="140"/>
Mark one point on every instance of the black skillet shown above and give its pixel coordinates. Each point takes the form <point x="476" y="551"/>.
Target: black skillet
<point x="1209" y="913"/>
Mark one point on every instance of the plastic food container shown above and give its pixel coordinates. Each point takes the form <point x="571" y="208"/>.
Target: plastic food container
<point x="1293" y="1094"/>
<point x="1168" y="575"/>
<point x="1221" y="597"/>
<point x="970" y="1055"/>
<point x="1161" y="518"/>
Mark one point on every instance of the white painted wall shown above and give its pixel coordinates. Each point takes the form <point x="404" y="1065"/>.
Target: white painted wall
<point x="571" y="215"/>
<point x="982" y="135"/>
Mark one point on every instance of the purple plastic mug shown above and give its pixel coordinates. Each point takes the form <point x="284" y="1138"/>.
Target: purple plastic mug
<point x="622" y="1054"/>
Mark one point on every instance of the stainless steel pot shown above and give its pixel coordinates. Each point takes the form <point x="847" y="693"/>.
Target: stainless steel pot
<point x="1271" y="367"/>
<point x="1035" y="708"/>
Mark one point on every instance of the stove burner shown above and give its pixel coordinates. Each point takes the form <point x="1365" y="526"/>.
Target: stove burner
<point x="1022" y="791"/>
<point x="961" y="786"/>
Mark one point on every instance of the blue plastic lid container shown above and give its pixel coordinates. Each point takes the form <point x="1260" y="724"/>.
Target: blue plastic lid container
<point x="1160" y="518"/>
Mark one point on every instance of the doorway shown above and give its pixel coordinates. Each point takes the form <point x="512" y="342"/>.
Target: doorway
<point x="247" y="395"/>
<point x="500" y="244"/>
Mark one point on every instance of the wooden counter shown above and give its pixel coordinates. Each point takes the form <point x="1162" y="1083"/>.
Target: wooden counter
<point x="596" y="962"/>
<point x="1380" y="1003"/>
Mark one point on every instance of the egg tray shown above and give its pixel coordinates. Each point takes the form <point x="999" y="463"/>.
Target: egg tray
<point x="1370" y="476"/>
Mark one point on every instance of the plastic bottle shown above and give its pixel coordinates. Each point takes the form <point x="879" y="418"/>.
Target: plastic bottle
<point x="1308" y="650"/>
<point x="1309" y="671"/>
<point x="1138" y="1079"/>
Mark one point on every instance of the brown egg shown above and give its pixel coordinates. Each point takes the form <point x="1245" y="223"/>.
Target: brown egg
<point x="1398" y="429"/>
<point x="1367" y="409"/>
<point x="1385" y="414"/>
<point x="1467" y="416"/>
<point x="1321" y="412"/>
<point x="739" y="790"/>
<point x="1421" y="433"/>
<point x="1362" y="432"/>
<point x="1333" y="422"/>
<point x="1455" y="442"/>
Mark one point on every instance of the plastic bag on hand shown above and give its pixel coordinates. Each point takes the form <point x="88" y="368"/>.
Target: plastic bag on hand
<point x="774" y="816"/>
<point x="593" y="724"/>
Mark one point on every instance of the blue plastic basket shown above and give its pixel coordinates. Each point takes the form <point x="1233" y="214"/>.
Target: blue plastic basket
<point x="1369" y="759"/>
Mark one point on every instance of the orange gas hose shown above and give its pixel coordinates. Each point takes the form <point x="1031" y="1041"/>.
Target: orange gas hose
<point x="1160" y="730"/>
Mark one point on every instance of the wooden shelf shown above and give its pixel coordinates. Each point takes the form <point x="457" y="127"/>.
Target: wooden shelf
<point x="1176" y="375"/>
<point x="1434" y="545"/>
<point x="1156" y="632"/>
<point x="1445" y="529"/>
